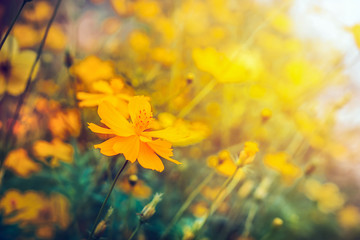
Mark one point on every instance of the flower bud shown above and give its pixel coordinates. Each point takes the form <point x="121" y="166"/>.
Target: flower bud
<point x="277" y="222"/>
<point x="149" y="210"/>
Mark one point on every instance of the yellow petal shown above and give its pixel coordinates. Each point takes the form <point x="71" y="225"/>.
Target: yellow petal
<point x="148" y="159"/>
<point x="106" y="147"/>
<point x="129" y="146"/>
<point x="163" y="149"/>
<point x="112" y="118"/>
<point x="97" y="129"/>
<point x="139" y="106"/>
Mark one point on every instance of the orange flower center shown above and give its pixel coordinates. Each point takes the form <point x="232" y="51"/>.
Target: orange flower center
<point x="142" y="121"/>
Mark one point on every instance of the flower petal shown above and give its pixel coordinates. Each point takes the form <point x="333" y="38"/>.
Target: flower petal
<point x="137" y="104"/>
<point x="112" y="118"/>
<point x="129" y="146"/>
<point x="106" y="147"/>
<point x="97" y="129"/>
<point x="148" y="159"/>
<point x="163" y="149"/>
<point x="170" y="134"/>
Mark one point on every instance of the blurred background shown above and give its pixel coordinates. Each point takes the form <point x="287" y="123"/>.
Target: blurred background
<point x="262" y="97"/>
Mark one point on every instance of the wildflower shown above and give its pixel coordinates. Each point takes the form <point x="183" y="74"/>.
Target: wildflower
<point x="56" y="150"/>
<point x="113" y="92"/>
<point x="132" y="185"/>
<point x="19" y="162"/>
<point x="248" y="154"/>
<point x="327" y="196"/>
<point x="92" y="69"/>
<point x="26" y="35"/>
<point x="149" y="210"/>
<point x="65" y="123"/>
<point x="265" y="114"/>
<point x="349" y="217"/>
<point x="102" y="225"/>
<point x="223" y="163"/>
<point x="15" y="68"/>
<point x="56" y="38"/>
<point x="280" y="163"/>
<point x="134" y="140"/>
<point x="139" y="42"/>
<point x="277" y="222"/>
<point x="39" y="12"/>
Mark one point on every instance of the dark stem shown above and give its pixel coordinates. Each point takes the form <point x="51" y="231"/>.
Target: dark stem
<point x="106" y="199"/>
<point x="13" y="23"/>
<point x="136" y="230"/>
<point x="23" y="95"/>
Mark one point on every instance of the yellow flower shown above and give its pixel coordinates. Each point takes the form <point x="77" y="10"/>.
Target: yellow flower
<point x="92" y="69"/>
<point x="327" y="196"/>
<point x="113" y="92"/>
<point x="139" y="42"/>
<point x="65" y="123"/>
<point x="56" y="38"/>
<point x="248" y="154"/>
<point x="223" y="163"/>
<point x="39" y="12"/>
<point x="349" y="217"/>
<point x="146" y="9"/>
<point x="193" y="132"/>
<point x="280" y="163"/>
<point x="15" y="68"/>
<point x="26" y="35"/>
<point x="135" y="140"/>
<point x="19" y="162"/>
<point x="56" y="150"/>
<point x="355" y="31"/>
<point x="122" y="7"/>
<point x="137" y="188"/>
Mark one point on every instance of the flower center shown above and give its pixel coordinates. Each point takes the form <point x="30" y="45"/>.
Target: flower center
<point x="142" y="121"/>
<point x="5" y="68"/>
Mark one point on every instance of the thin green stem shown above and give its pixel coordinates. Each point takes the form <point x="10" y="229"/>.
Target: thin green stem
<point x="187" y="203"/>
<point x="33" y="67"/>
<point x="106" y="199"/>
<point x="135" y="231"/>
<point x="13" y="23"/>
<point x="249" y="220"/>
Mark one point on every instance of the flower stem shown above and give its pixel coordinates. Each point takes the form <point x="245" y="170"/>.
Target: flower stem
<point x="136" y="230"/>
<point x="107" y="198"/>
<point x="13" y="23"/>
<point x="187" y="203"/>
<point x="23" y="95"/>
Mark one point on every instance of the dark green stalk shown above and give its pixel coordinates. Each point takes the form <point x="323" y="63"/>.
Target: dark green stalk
<point x="106" y="199"/>
<point x="13" y="23"/>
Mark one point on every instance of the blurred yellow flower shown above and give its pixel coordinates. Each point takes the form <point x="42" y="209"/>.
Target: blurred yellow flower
<point x="15" y="68"/>
<point x="122" y="7"/>
<point x="56" y="150"/>
<point x="56" y="39"/>
<point x="327" y="196"/>
<point x="146" y="9"/>
<point x="134" y="140"/>
<point x="112" y="91"/>
<point x="40" y="11"/>
<point x="92" y="69"/>
<point x="164" y="56"/>
<point x="137" y="188"/>
<point x="349" y="217"/>
<point x="199" y="209"/>
<point x="192" y="132"/>
<point x="139" y="42"/>
<point x="355" y="31"/>
<point x="20" y="163"/>
<point x="46" y="213"/>
<point x="65" y="123"/>
<point x="247" y="155"/>
<point x="280" y="163"/>
<point x="26" y="35"/>
<point x="222" y="163"/>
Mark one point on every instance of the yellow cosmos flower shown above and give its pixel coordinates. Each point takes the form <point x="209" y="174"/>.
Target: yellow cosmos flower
<point x="135" y="140"/>
<point x="56" y="150"/>
<point x="19" y="162"/>
<point x="223" y="163"/>
<point x="92" y="69"/>
<point x="113" y="92"/>
<point x="132" y="185"/>
<point x="349" y="217"/>
<point x="15" y="68"/>
<point x="280" y="163"/>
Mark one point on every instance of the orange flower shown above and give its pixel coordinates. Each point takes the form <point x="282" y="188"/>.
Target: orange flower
<point x="134" y="140"/>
